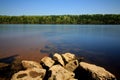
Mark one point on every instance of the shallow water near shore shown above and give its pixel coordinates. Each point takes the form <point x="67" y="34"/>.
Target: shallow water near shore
<point x="98" y="44"/>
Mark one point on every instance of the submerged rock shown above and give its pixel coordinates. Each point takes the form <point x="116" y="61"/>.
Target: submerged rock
<point x="72" y="65"/>
<point x="31" y="64"/>
<point x="47" y="61"/>
<point x="58" y="57"/>
<point x="97" y="73"/>
<point x="60" y="73"/>
<point x="68" y="57"/>
<point x="30" y="74"/>
<point x="3" y="65"/>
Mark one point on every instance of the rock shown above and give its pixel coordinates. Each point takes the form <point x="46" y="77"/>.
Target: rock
<point x="72" y="65"/>
<point x="3" y="65"/>
<point x="5" y="71"/>
<point x="58" y="57"/>
<point x="31" y="64"/>
<point x="16" y="65"/>
<point x="30" y="74"/>
<point x="98" y="73"/>
<point x="47" y="61"/>
<point x="68" y="57"/>
<point x="60" y="73"/>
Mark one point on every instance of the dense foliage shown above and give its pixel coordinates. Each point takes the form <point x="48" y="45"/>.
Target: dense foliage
<point x="62" y="19"/>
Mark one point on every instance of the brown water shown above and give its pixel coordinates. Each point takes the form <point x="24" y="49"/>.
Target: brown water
<point x="21" y="43"/>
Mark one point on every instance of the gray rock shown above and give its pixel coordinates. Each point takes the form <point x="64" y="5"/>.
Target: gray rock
<point x="68" y="57"/>
<point x="47" y="61"/>
<point x="98" y="73"/>
<point x="58" y="57"/>
<point x="31" y="64"/>
<point x="30" y="74"/>
<point x="60" y="73"/>
<point x="72" y="65"/>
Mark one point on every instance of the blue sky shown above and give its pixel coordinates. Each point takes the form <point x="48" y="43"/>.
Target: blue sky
<point x="59" y="7"/>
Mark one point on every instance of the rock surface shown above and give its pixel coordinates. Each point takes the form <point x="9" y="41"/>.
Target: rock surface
<point x="68" y="57"/>
<point x="30" y="74"/>
<point x="98" y="73"/>
<point x="59" y="73"/>
<point x="58" y="57"/>
<point x="65" y="67"/>
<point x="31" y="64"/>
<point x="47" y="61"/>
<point x="72" y="65"/>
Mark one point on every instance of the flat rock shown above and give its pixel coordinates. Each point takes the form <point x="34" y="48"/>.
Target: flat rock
<point x="98" y="73"/>
<point x="68" y="57"/>
<point x="58" y="57"/>
<point x="60" y="73"/>
<point x="47" y="61"/>
<point x="72" y="65"/>
<point x="30" y="74"/>
<point x="31" y="64"/>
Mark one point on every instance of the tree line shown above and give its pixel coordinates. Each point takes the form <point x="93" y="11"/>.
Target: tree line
<point x="62" y="19"/>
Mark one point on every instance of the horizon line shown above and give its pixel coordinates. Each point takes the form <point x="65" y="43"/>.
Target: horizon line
<point x="62" y="14"/>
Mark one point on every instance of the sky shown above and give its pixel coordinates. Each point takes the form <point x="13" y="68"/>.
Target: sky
<point x="59" y="7"/>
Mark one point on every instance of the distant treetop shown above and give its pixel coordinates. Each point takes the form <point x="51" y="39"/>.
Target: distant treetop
<point x="62" y="19"/>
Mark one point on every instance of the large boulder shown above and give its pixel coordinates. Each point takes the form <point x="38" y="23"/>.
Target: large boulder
<point x="31" y="64"/>
<point x="57" y="57"/>
<point x="47" y="61"/>
<point x="68" y="57"/>
<point x="97" y="73"/>
<point x="72" y="65"/>
<point x="30" y="74"/>
<point x="60" y="73"/>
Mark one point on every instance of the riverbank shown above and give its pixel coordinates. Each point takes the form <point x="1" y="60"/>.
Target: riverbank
<point x="66" y="62"/>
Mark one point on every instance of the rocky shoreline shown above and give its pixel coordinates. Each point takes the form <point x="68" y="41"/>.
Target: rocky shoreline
<point x="58" y="67"/>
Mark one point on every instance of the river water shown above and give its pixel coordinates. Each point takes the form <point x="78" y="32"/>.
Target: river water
<point x="99" y="44"/>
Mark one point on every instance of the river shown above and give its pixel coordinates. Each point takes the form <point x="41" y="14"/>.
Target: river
<point x="99" y="44"/>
